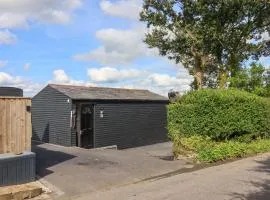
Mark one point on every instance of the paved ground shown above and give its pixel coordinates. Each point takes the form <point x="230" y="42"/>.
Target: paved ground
<point x="247" y="179"/>
<point x="73" y="171"/>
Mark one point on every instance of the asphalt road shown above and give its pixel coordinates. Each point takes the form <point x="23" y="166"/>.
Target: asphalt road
<point x="69" y="171"/>
<point x="247" y="179"/>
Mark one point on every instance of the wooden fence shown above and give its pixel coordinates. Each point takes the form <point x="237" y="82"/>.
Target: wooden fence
<point x="15" y="124"/>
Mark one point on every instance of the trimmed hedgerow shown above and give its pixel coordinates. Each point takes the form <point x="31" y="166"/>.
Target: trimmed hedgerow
<point x="220" y="115"/>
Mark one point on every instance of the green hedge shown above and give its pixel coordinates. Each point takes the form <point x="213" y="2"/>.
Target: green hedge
<point x="220" y="115"/>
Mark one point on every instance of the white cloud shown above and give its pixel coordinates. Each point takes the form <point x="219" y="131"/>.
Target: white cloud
<point x="112" y="38"/>
<point x="7" y="38"/>
<point x="8" y="79"/>
<point x="26" y="66"/>
<point x="54" y="16"/>
<point x="119" y="47"/>
<point x="139" y="79"/>
<point x="104" y="57"/>
<point x="265" y="36"/>
<point x="265" y="61"/>
<point x="128" y="9"/>
<point x="11" y="20"/>
<point x="3" y="63"/>
<point x="109" y="74"/>
<point x="166" y="80"/>
<point x="163" y="83"/>
<point x="29" y="87"/>
<point x="60" y="77"/>
<point x="19" y="13"/>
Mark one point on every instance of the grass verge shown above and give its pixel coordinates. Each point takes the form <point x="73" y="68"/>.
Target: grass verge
<point x="206" y="150"/>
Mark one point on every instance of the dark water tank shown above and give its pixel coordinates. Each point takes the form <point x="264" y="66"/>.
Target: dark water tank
<point x="11" y="91"/>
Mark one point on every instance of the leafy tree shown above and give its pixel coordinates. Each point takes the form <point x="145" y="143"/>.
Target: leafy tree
<point x="267" y="81"/>
<point x="240" y="80"/>
<point x="208" y="35"/>
<point x="173" y="95"/>
<point x="255" y="79"/>
<point x="267" y="77"/>
<point x="256" y="76"/>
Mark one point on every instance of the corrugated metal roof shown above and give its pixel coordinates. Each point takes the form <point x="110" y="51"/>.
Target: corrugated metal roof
<point x="104" y="93"/>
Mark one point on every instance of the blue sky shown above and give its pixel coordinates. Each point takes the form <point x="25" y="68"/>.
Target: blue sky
<point x="97" y="42"/>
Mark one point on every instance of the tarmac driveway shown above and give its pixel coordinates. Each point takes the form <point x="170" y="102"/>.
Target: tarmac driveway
<point x="73" y="171"/>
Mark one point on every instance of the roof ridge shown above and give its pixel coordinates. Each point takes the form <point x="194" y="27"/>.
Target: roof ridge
<point x="84" y="86"/>
<point x="90" y="92"/>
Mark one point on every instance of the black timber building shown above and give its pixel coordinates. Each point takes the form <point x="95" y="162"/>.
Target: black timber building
<point x="11" y="91"/>
<point x="93" y="117"/>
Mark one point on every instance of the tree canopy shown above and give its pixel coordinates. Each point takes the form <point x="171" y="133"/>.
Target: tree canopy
<point x="211" y="38"/>
<point x="255" y="79"/>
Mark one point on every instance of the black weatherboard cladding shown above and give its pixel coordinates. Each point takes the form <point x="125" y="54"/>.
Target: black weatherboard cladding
<point x="17" y="169"/>
<point x="11" y="91"/>
<point x="130" y="117"/>
<point x="130" y="124"/>
<point x="51" y="117"/>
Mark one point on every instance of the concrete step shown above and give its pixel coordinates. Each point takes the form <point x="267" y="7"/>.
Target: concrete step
<point x="20" y="192"/>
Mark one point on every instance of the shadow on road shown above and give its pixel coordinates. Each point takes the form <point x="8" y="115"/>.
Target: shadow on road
<point x="263" y="188"/>
<point x="46" y="158"/>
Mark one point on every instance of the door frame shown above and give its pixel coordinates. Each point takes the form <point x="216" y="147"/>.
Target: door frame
<point x="78" y="122"/>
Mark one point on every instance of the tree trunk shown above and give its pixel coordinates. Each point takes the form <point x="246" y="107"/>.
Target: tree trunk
<point x="222" y="72"/>
<point x="199" y="79"/>
<point x="198" y="74"/>
<point x="223" y="76"/>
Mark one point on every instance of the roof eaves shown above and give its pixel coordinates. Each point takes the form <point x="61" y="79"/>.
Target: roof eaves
<point x="123" y="100"/>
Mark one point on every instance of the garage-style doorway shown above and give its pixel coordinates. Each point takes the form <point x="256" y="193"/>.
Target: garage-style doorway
<point x="86" y="128"/>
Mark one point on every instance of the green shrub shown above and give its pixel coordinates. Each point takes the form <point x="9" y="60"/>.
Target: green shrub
<point x="223" y="151"/>
<point x="207" y="150"/>
<point x="220" y="115"/>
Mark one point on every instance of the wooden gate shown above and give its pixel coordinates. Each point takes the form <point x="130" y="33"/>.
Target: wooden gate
<point x="15" y="125"/>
